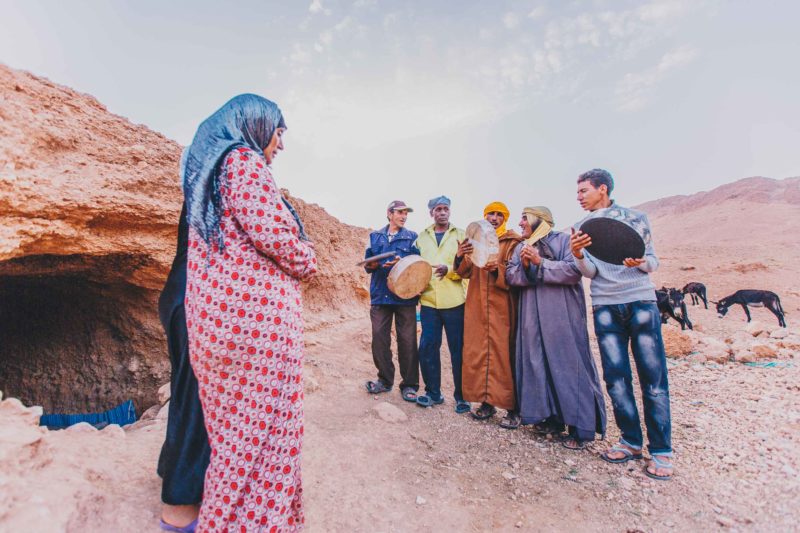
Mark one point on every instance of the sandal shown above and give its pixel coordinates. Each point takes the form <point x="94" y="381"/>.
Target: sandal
<point x="426" y="401"/>
<point x="377" y="387"/>
<point x="463" y="407"/>
<point x="484" y="412"/>
<point x="658" y="462"/>
<point x="628" y="454"/>
<point x="543" y="428"/>
<point x="510" y="421"/>
<point x="409" y="394"/>
<point x="571" y="443"/>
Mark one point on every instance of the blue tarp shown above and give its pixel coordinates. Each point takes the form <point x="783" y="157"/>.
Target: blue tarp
<point x="122" y="414"/>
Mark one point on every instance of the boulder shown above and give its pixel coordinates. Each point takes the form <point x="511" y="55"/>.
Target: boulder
<point x="763" y="350"/>
<point x="389" y="413"/>
<point x="676" y="343"/>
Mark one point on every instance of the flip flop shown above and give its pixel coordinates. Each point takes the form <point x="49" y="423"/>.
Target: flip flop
<point x="409" y="394"/>
<point x="659" y="463"/>
<point x="189" y="528"/>
<point x="376" y="387"/>
<point x="629" y="455"/>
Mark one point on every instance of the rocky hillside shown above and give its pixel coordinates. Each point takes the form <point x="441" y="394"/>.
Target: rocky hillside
<point x="741" y="235"/>
<point x="89" y="204"/>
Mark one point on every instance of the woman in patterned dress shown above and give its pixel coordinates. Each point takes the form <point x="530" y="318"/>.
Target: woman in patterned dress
<point x="247" y="255"/>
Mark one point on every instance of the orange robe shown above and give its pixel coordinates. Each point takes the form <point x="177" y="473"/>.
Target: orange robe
<point x="489" y="330"/>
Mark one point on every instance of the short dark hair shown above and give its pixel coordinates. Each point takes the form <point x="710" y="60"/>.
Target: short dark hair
<point x="598" y="177"/>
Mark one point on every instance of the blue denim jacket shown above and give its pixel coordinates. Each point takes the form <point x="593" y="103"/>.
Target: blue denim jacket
<point x="403" y="244"/>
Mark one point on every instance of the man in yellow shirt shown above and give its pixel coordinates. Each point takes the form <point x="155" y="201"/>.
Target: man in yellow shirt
<point x="442" y="306"/>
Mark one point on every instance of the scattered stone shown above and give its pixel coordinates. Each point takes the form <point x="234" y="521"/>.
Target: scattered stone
<point x="781" y="333"/>
<point x="389" y="413"/>
<point x="421" y="500"/>
<point x="755" y="328"/>
<point x="509" y="476"/>
<point x="696" y="358"/>
<point x="763" y="350"/>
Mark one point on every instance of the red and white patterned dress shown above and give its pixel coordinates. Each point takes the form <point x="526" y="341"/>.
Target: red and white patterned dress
<point x="244" y="319"/>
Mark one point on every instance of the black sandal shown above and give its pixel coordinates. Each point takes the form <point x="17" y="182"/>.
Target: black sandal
<point x="485" y="411"/>
<point x="510" y="421"/>
<point x="376" y="387"/>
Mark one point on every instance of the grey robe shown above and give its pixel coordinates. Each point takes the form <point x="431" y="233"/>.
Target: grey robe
<point x="556" y="375"/>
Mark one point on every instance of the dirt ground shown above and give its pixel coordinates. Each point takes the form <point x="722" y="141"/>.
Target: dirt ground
<point x="736" y="432"/>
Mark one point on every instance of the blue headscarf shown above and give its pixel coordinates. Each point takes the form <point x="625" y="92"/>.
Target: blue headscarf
<point x="247" y="120"/>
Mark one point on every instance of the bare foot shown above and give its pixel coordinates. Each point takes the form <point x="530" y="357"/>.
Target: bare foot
<point x="179" y="515"/>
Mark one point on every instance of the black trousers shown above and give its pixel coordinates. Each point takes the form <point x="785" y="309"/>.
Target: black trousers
<point x="405" y="323"/>
<point x="185" y="454"/>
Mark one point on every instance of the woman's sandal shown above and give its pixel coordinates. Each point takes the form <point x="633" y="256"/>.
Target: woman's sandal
<point x="376" y="387"/>
<point x="628" y="454"/>
<point x="484" y="412"/>
<point x="658" y="462"/>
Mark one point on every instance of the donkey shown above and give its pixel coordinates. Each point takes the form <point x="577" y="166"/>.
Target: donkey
<point x="697" y="291"/>
<point x="671" y="304"/>
<point x="753" y="298"/>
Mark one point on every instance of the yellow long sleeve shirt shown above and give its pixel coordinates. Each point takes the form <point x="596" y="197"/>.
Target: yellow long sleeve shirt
<point x="449" y="291"/>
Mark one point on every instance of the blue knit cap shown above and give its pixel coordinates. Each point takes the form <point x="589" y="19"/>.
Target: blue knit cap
<point x="439" y="200"/>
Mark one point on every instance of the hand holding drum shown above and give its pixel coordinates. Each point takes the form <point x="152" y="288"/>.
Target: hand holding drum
<point x="409" y="277"/>
<point x="485" y="245"/>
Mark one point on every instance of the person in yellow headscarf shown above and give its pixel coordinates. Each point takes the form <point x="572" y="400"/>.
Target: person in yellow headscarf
<point x="488" y="368"/>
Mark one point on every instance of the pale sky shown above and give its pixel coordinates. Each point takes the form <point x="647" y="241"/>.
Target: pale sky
<point x="481" y="101"/>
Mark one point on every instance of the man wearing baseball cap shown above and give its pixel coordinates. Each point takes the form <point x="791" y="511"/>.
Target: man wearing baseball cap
<point x="387" y="306"/>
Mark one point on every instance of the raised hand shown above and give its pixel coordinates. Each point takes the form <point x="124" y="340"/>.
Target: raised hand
<point x="464" y="247"/>
<point x="578" y="240"/>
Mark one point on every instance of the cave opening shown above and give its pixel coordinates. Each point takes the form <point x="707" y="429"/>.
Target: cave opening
<point x="76" y="337"/>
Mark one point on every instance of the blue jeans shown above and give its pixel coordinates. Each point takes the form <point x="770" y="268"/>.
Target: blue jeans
<point x="430" y="344"/>
<point x="637" y="323"/>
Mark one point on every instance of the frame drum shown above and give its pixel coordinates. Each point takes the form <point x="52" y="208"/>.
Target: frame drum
<point x="485" y="245"/>
<point x="409" y="277"/>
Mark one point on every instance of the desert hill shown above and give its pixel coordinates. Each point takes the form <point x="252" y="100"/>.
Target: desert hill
<point x="88" y="210"/>
<point x="741" y="235"/>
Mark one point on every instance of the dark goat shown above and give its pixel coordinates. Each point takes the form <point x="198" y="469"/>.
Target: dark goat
<point x="670" y="302"/>
<point x="753" y="298"/>
<point x="697" y="291"/>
